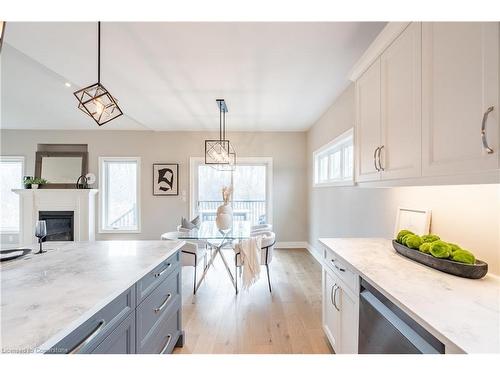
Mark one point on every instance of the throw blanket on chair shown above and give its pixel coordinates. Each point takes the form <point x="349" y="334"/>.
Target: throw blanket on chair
<point x="250" y="257"/>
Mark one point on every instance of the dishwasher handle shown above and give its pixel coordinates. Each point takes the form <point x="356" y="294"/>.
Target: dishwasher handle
<point x="398" y="324"/>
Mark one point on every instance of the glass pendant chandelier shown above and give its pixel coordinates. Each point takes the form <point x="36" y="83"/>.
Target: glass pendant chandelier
<point x="219" y="153"/>
<point x="95" y="100"/>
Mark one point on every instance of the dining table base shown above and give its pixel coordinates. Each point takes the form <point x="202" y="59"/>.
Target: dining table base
<point x="218" y="251"/>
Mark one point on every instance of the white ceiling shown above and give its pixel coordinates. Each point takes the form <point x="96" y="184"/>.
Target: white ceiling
<point x="166" y="76"/>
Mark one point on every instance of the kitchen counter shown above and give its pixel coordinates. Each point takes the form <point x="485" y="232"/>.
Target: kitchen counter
<point x="463" y="313"/>
<point x="44" y="297"/>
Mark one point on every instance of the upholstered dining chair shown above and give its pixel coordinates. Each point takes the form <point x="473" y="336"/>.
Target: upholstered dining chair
<point x="266" y="255"/>
<point x="261" y="228"/>
<point x="191" y="253"/>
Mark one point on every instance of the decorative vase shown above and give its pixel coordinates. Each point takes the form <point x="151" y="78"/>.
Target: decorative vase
<point x="26" y="182"/>
<point x="224" y="219"/>
<point x="34" y="186"/>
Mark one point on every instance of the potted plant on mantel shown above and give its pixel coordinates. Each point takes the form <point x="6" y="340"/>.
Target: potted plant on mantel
<point x="34" y="182"/>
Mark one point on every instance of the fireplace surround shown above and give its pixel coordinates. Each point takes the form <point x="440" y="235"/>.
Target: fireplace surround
<point x="55" y="206"/>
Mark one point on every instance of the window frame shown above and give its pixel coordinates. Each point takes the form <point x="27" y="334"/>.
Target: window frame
<point x="267" y="161"/>
<point x="22" y="160"/>
<point x="340" y="143"/>
<point x="103" y="187"/>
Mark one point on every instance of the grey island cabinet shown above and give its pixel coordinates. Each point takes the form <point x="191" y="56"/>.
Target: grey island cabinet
<point x="144" y="319"/>
<point x="138" y="309"/>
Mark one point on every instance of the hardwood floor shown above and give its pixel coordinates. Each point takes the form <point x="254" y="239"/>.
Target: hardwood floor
<point x="287" y="321"/>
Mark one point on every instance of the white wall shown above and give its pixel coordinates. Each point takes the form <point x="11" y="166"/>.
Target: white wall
<point x="465" y="214"/>
<point x="161" y="214"/>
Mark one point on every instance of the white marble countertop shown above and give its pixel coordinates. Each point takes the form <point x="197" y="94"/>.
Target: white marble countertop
<point x="44" y="297"/>
<point x="458" y="311"/>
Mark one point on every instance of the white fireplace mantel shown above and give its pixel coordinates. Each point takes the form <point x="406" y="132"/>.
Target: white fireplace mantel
<point x="80" y="201"/>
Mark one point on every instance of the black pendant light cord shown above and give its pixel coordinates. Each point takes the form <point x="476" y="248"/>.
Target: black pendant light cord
<point x="220" y="123"/>
<point x="224" y="127"/>
<point x="99" y="52"/>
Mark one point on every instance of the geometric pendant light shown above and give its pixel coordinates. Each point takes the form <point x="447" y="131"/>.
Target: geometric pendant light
<point x="219" y="153"/>
<point x="95" y="100"/>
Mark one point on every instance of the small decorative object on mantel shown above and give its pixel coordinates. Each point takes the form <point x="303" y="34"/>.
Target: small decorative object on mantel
<point x="34" y="182"/>
<point x="27" y="182"/>
<point x="224" y="220"/>
<point x="84" y="181"/>
<point x="165" y="179"/>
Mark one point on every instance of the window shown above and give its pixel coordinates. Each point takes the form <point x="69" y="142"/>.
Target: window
<point x="251" y="180"/>
<point x="11" y="177"/>
<point x="333" y="163"/>
<point x="119" y="203"/>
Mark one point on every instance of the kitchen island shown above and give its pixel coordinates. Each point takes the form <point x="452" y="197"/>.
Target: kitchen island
<point x="102" y="297"/>
<point x="464" y="314"/>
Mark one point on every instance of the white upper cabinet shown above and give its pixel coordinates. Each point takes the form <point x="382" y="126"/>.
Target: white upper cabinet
<point x="460" y="70"/>
<point x="368" y="124"/>
<point x="400" y="64"/>
<point x="427" y="105"/>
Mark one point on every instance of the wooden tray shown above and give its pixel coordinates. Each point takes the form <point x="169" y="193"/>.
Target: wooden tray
<point x="470" y="271"/>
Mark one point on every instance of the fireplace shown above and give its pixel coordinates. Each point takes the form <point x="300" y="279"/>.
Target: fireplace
<point x="60" y="225"/>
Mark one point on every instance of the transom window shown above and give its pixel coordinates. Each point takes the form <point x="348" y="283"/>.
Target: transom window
<point x="119" y="179"/>
<point x="333" y="163"/>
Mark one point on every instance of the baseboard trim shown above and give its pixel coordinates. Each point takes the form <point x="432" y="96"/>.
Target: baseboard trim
<point x="314" y="252"/>
<point x="291" y="245"/>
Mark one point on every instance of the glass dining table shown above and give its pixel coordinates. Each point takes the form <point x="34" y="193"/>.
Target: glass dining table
<point x="217" y="239"/>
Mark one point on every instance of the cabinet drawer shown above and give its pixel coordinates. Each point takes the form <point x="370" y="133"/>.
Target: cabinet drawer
<point x="149" y="282"/>
<point x="157" y="305"/>
<point x="163" y="337"/>
<point x="349" y="278"/>
<point x="121" y="340"/>
<point x="93" y="331"/>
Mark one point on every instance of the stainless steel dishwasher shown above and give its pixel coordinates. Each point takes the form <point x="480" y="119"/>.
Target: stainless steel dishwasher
<point x="386" y="329"/>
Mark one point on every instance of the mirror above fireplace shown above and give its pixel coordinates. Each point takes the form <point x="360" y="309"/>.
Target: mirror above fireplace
<point x="61" y="165"/>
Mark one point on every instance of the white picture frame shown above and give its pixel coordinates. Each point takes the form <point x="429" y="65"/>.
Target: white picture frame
<point x="414" y="219"/>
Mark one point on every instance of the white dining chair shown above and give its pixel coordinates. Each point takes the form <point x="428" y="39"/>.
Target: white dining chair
<point x="191" y="253"/>
<point x="266" y="255"/>
<point x="261" y="227"/>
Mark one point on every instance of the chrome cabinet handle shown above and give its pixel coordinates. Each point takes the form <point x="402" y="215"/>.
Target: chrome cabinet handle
<point x="331" y="294"/>
<point x="169" y="338"/>
<point x="163" y="271"/>
<point x="158" y="309"/>
<point x="379" y="162"/>
<point x="339" y="268"/>
<point x="335" y="297"/>
<point x="488" y="149"/>
<point x="89" y="338"/>
<point x="375" y="159"/>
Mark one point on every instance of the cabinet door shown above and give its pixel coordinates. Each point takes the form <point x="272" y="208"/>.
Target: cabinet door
<point x="121" y="340"/>
<point x="349" y="318"/>
<point x="367" y="123"/>
<point x="459" y="83"/>
<point x="401" y="105"/>
<point x="331" y="317"/>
